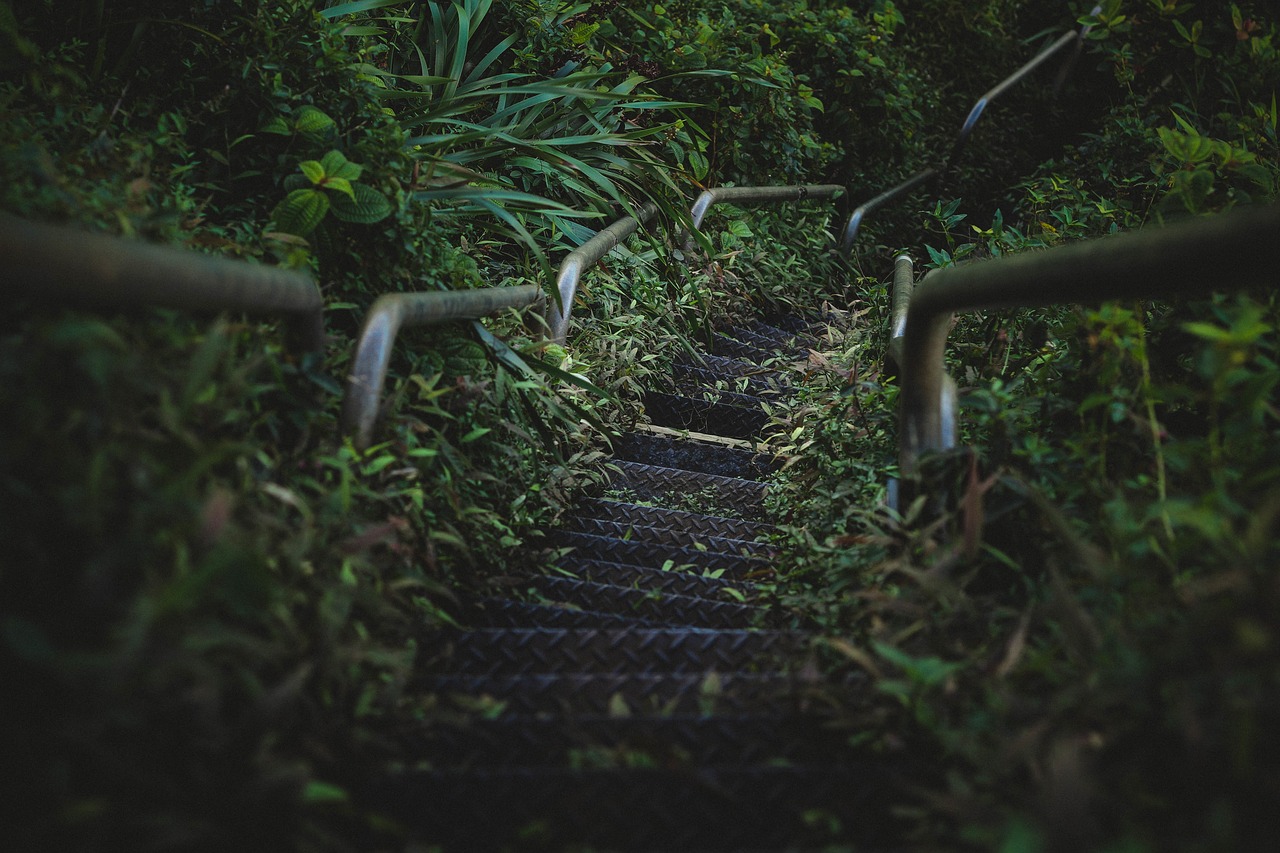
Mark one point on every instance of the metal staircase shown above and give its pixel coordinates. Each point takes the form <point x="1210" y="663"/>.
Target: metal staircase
<point x="645" y="693"/>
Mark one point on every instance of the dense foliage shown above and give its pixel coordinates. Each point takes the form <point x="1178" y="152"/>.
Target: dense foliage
<point x="1086" y="640"/>
<point x="213" y="602"/>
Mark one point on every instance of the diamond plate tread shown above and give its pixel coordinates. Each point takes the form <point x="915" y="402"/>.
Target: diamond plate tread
<point x="717" y="396"/>
<point x="692" y="455"/>
<point x="685" y="374"/>
<point x="622" y="694"/>
<point x="785" y="346"/>
<point x="507" y="613"/>
<point x="667" y="536"/>
<point x="723" y="345"/>
<point x="721" y="807"/>
<point x="676" y="741"/>
<point x="649" y="606"/>
<point x="654" y="555"/>
<point x="530" y="651"/>
<point x="812" y="324"/>
<point x="655" y="580"/>
<point x="652" y="516"/>
<point x="790" y="322"/>
<point x="704" y="493"/>
<point x="800" y="339"/>
<point x="737" y="367"/>
<point x="729" y="420"/>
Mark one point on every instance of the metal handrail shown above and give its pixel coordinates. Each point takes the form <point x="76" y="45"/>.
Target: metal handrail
<point x="395" y="311"/>
<point x="1232" y="251"/>
<point x="924" y="176"/>
<point x="900" y="300"/>
<point x="871" y="205"/>
<point x="979" y="107"/>
<point x="56" y="262"/>
<point x="577" y="261"/>
<point x="760" y="195"/>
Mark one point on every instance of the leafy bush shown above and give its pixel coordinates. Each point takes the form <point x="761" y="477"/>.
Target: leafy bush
<point x="802" y="87"/>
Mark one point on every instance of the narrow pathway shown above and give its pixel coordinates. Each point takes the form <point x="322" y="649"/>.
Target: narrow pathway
<point x="648" y="694"/>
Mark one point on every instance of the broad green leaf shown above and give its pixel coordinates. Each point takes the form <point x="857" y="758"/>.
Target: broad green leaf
<point x="699" y="164"/>
<point x="939" y="256"/>
<point x="336" y="165"/>
<point x="313" y="170"/>
<point x="311" y="119"/>
<point x="365" y="206"/>
<point x="278" y="126"/>
<point x="301" y="211"/>
<point x="340" y="185"/>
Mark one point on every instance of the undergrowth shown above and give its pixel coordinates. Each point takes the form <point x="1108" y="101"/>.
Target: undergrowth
<point x="1082" y="641"/>
<point x="213" y="602"/>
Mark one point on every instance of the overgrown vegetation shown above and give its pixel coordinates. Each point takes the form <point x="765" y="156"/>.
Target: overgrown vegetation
<point x="1086" y="642"/>
<point x="213" y="603"/>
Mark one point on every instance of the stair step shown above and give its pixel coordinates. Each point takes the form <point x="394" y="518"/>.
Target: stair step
<point x="717" y="418"/>
<point x="721" y="807"/>
<point x="597" y="742"/>
<point x="652" y="516"/>
<point x="655" y="555"/>
<point x="800" y="339"/>
<point x="654" y="607"/>
<point x="508" y="613"/>
<point x="616" y="704"/>
<point x="656" y="581"/>
<point x="529" y="651"/>
<point x="730" y="347"/>
<point x="624" y="694"/>
<point x="781" y="343"/>
<point x="687" y="374"/>
<point x="726" y="366"/>
<point x="664" y="537"/>
<point x="692" y="455"/>
<point x="702" y="493"/>
<point x="811" y="324"/>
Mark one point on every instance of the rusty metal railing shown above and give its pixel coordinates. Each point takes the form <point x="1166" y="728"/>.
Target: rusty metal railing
<point x="1228" y="252"/>
<point x="925" y="176"/>
<point x="50" y="262"/>
<point x="393" y="312"/>
<point x="577" y="261"/>
<point x="760" y="195"/>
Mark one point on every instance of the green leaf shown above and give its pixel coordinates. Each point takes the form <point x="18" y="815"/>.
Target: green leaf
<point x="337" y="165"/>
<point x="301" y="211"/>
<point x="364" y="206"/>
<point x="699" y="164"/>
<point x="583" y="32"/>
<point x="940" y="257"/>
<point x="277" y="125"/>
<point x="924" y="671"/>
<point x="323" y="792"/>
<point x="356" y="6"/>
<point x="340" y="185"/>
<point x="311" y="119"/>
<point x="313" y="170"/>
